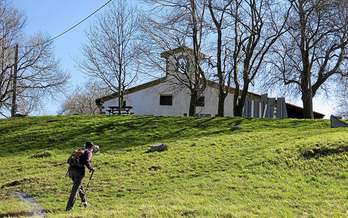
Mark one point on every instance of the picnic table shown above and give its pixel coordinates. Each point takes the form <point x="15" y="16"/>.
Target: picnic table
<point x="125" y="110"/>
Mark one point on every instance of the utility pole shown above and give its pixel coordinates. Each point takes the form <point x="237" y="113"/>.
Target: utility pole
<point x="14" y="85"/>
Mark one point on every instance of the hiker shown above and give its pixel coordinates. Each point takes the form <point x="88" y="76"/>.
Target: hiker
<point x="77" y="173"/>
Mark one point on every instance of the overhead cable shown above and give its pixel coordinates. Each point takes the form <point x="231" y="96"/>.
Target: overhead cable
<point x="80" y="21"/>
<point x="72" y="26"/>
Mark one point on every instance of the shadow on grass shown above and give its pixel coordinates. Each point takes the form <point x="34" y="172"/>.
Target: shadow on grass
<point x="19" y="214"/>
<point x="110" y="132"/>
<point x="323" y="152"/>
<point x="119" y="132"/>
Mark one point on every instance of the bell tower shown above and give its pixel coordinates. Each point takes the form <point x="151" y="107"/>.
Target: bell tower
<point x="180" y="63"/>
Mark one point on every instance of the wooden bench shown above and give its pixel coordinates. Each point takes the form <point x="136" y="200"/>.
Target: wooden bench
<point x="126" y="110"/>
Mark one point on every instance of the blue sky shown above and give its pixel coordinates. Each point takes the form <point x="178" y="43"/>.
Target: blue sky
<point x="53" y="17"/>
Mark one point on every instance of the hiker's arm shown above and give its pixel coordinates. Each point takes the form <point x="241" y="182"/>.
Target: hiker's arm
<point x="88" y="161"/>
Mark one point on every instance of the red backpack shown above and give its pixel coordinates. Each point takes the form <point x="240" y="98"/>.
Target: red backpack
<point x="76" y="158"/>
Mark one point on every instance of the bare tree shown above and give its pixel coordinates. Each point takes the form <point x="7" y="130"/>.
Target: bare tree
<point x="11" y="27"/>
<point x="313" y="51"/>
<point x="29" y="71"/>
<point x="257" y="26"/>
<point x="177" y="24"/>
<point x="220" y="24"/>
<point x="341" y="100"/>
<point x="82" y="101"/>
<point x="109" y="54"/>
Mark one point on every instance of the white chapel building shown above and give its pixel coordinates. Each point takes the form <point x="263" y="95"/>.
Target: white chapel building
<point x="164" y="97"/>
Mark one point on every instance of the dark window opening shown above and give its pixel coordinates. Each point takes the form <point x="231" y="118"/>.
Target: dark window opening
<point x="166" y="100"/>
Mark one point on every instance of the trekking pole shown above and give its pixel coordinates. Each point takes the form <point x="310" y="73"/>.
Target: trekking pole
<point x="88" y="185"/>
<point x="89" y="181"/>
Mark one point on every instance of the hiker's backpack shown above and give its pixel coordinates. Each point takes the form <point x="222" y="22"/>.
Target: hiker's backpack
<point x="76" y="158"/>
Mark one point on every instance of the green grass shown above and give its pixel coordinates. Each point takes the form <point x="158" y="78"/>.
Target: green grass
<point x="270" y="168"/>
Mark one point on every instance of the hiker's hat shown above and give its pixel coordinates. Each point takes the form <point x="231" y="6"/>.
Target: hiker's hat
<point x="89" y="144"/>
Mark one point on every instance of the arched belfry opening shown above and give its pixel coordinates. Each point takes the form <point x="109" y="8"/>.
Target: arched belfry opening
<point x="180" y="62"/>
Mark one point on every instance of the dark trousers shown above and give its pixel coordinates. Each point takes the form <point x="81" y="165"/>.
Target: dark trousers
<point x="77" y="178"/>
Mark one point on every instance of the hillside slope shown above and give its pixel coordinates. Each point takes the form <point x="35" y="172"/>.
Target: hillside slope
<point x="270" y="167"/>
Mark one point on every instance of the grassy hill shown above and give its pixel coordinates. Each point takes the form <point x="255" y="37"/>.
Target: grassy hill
<point x="269" y="168"/>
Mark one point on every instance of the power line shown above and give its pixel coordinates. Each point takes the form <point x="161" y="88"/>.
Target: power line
<point x="79" y="22"/>
<point x="59" y="35"/>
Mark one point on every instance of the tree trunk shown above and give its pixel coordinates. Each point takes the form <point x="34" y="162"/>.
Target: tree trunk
<point x="235" y="98"/>
<point x="193" y="100"/>
<point x="307" y="100"/>
<point x="221" y="103"/>
<point x="120" y="102"/>
<point x="197" y="69"/>
<point x="238" y="108"/>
